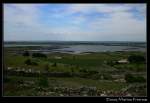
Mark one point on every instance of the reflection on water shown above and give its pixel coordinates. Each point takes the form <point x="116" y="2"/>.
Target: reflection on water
<point x="99" y="48"/>
<point x="80" y="48"/>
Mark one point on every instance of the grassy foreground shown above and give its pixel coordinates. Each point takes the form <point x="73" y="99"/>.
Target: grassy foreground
<point x="94" y="74"/>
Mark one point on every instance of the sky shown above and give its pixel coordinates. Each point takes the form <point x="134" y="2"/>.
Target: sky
<point x="74" y="22"/>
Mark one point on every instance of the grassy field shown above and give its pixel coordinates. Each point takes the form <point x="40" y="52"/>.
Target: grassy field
<point x="94" y="70"/>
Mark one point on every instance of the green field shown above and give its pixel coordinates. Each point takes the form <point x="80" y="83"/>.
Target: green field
<point x="79" y="71"/>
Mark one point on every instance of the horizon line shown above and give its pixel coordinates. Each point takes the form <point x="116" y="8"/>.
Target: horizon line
<point x="65" y="41"/>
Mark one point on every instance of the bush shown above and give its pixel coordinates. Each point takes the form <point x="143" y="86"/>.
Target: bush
<point x="72" y="70"/>
<point x="54" y="65"/>
<point x="34" y="63"/>
<point x="26" y="53"/>
<point x="46" y="68"/>
<point x="92" y="72"/>
<point x="112" y="63"/>
<point x="141" y="68"/>
<point x="140" y="79"/>
<point x="136" y="59"/>
<point x="28" y="62"/>
<point x="43" y="81"/>
<point x="83" y="70"/>
<point x="107" y="77"/>
<point x="131" y="79"/>
<point x="39" y="55"/>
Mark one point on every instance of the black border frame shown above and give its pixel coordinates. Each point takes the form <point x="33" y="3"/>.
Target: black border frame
<point x="73" y="99"/>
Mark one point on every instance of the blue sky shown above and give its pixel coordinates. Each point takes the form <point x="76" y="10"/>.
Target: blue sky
<point x="75" y="22"/>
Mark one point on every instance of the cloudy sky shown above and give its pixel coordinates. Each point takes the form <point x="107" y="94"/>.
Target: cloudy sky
<point x="75" y="22"/>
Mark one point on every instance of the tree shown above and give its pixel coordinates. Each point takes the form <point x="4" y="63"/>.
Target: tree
<point x="54" y="65"/>
<point x="107" y="76"/>
<point x="131" y="79"/>
<point x="136" y="59"/>
<point x="26" y="53"/>
<point x="39" y="55"/>
<point x="140" y="79"/>
<point x="34" y="63"/>
<point x="83" y="70"/>
<point x="28" y="62"/>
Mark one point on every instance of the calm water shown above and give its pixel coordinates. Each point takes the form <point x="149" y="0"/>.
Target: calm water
<point x="67" y="48"/>
<point x="99" y="48"/>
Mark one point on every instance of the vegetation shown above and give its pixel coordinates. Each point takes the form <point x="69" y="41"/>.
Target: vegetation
<point x="107" y="76"/>
<point x="74" y="75"/>
<point x="46" y="68"/>
<point x="136" y="59"/>
<point x="54" y="64"/>
<point x="39" y="55"/>
<point x="43" y="81"/>
<point x="29" y="62"/>
<point x="26" y="53"/>
<point x="131" y="79"/>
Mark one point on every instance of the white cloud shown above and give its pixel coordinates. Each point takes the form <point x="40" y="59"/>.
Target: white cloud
<point x="21" y="21"/>
<point x="122" y="26"/>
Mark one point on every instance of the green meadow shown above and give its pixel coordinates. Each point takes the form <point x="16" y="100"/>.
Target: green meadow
<point x="62" y="74"/>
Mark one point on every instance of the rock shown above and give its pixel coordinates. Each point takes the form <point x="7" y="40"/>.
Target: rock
<point x="23" y="69"/>
<point x="30" y="70"/>
<point x="103" y="94"/>
<point x="85" y="95"/>
<point x="124" y="89"/>
<point x="61" y="95"/>
<point x="9" y="68"/>
<point x="29" y="82"/>
<point x="93" y="88"/>
<point x="120" y="80"/>
<point x="84" y="88"/>
<point x="128" y="94"/>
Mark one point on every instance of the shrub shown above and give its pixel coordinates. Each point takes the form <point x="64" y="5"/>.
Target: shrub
<point x="140" y="79"/>
<point x="141" y="68"/>
<point x="112" y="63"/>
<point x="39" y="55"/>
<point x="107" y="76"/>
<point x="83" y="70"/>
<point x="72" y="70"/>
<point x="92" y="72"/>
<point x="34" y="63"/>
<point x="54" y="65"/>
<point x="136" y="59"/>
<point x="131" y="79"/>
<point x="26" y="53"/>
<point x="95" y="76"/>
<point x="43" y="81"/>
<point x="28" y="62"/>
<point x="46" y="68"/>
